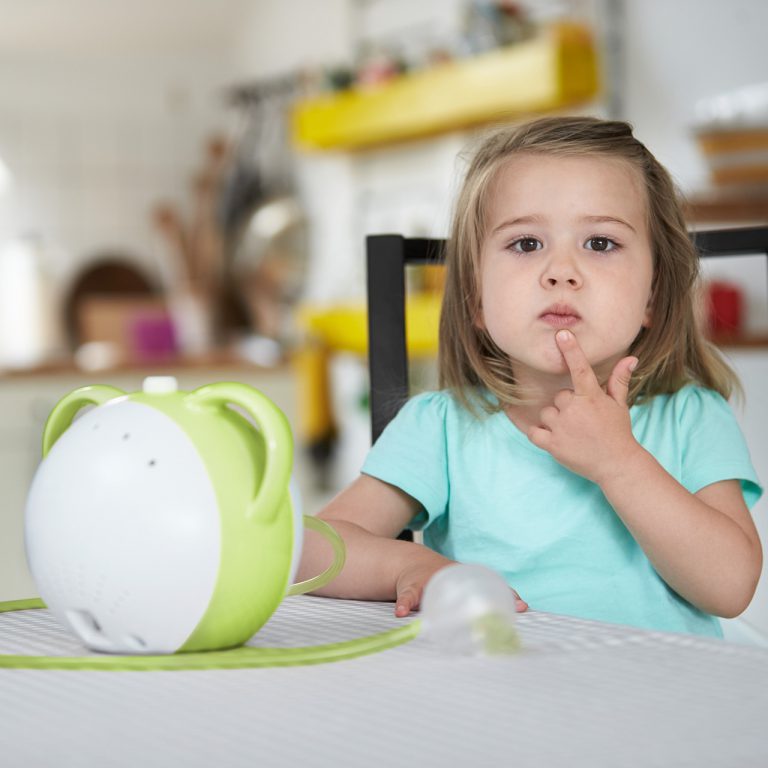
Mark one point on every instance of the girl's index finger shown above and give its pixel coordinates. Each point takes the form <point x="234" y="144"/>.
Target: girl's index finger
<point x="582" y="375"/>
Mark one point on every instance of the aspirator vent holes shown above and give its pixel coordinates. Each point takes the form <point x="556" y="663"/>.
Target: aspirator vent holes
<point x="85" y="624"/>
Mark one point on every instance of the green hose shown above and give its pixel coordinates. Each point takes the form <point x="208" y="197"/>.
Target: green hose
<point x="244" y="657"/>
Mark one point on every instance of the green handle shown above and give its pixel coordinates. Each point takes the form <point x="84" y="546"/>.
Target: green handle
<point x="278" y="441"/>
<point x="330" y="573"/>
<point x="66" y="409"/>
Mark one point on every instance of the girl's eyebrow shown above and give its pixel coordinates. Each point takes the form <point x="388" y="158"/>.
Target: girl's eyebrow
<point x="608" y="220"/>
<point x="536" y="219"/>
<point x="532" y="219"/>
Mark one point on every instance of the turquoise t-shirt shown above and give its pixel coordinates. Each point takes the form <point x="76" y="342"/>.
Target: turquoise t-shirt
<point x="490" y="496"/>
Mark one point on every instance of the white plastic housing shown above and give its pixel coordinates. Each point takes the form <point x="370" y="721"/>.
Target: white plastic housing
<point x="122" y="530"/>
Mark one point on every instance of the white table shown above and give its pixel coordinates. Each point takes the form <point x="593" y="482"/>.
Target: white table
<point x="580" y="693"/>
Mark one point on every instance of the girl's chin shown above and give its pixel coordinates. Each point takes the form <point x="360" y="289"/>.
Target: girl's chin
<point x="554" y="363"/>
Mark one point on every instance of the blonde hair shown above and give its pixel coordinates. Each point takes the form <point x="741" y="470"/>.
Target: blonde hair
<point x="672" y="352"/>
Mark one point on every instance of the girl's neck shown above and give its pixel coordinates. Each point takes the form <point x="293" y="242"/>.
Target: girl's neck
<point x="536" y="396"/>
<point x="538" y="391"/>
<point x="525" y="415"/>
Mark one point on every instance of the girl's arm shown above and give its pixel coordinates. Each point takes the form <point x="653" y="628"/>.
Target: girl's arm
<point x="704" y="545"/>
<point x="368" y="515"/>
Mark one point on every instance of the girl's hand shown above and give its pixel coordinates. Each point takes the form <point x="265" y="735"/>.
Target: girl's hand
<point x="413" y="579"/>
<point x="588" y="429"/>
<point x="411" y="582"/>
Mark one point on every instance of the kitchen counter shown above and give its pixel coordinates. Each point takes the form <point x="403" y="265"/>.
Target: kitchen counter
<point x="217" y="360"/>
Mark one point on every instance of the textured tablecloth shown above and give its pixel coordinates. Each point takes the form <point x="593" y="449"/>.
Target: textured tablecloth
<point x="579" y="693"/>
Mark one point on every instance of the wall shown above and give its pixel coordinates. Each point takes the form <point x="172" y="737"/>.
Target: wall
<point x="94" y="143"/>
<point x="752" y="367"/>
<point x="346" y="197"/>
<point x="96" y="139"/>
<point x="676" y="53"/>
<point x="293" y="34"/>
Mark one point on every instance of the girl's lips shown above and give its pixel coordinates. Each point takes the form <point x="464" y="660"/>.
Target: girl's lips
<point x="557" y="320"/>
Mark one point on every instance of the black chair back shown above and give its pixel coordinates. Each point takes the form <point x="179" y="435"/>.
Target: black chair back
<point x="387" y="258"/>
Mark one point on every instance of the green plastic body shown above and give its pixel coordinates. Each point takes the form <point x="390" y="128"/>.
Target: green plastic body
<point x="250" y="471"/>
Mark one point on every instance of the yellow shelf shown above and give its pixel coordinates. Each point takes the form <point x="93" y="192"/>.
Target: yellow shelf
<point x="344" y="327"/>
<point x="554" y="70"/>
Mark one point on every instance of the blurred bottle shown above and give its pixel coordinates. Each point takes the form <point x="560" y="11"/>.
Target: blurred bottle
<point x="30" y="328"/>
<point x="726" y="308"/>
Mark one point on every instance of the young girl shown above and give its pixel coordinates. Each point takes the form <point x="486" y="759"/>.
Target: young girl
<point x="581" y="444"/>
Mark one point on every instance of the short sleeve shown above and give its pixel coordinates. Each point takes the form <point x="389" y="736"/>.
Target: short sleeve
<point x="411" y="455"/>
<point x="714" y="445"/>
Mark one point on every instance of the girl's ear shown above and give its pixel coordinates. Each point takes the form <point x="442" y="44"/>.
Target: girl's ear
<point x="648" y="315"/>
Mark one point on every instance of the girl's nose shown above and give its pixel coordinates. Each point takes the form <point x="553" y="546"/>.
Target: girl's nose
<point x="561" y="271"/>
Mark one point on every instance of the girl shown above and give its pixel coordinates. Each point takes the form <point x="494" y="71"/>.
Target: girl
<point x="581" y="443"/>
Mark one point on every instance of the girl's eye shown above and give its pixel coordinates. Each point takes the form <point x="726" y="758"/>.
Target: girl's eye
<point x="526" y="244"/>
<point x="600" y="244"/>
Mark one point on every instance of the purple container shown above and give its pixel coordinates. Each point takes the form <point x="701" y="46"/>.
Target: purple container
<point x="153" y="337"/>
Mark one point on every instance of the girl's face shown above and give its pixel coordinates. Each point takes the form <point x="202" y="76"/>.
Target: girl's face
<point x="567" y="246"/>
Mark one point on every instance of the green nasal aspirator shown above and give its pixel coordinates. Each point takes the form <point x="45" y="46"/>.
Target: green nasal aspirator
<point x="163" y="529"/>
<point x="166" y="522"/>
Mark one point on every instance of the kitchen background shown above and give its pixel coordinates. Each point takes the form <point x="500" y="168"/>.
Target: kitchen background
<point x="185" y="187"/>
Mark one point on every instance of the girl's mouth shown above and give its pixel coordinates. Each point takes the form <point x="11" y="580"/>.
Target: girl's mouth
<point x="560" y="316"/>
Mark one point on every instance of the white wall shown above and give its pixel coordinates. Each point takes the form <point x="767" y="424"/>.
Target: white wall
<point x="679" y="51"/>
<point x="348" y="196"/>
<point x="92" y="145"/>
<point x="752" y="368"/>
<point x="95" y="138"/>
<point x="291" y="35"/>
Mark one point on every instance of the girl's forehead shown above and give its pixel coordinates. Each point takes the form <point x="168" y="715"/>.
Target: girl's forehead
<point x="557" y="188"/>
<point x="548" y="181"/>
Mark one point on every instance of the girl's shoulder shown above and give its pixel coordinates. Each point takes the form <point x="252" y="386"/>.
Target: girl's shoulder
<point x="450" y="406"/>
<point x="689" y="404"/>
<point x="424" y="419"/>
<point x="435" y="403"/>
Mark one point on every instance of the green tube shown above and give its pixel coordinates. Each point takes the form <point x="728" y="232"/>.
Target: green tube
<point x="243" y="657"/>
<point x="22" y="605"/>
<point x="339" y="556"/>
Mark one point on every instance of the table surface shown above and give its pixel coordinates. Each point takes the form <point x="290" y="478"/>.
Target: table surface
<point x="578" y="693"/>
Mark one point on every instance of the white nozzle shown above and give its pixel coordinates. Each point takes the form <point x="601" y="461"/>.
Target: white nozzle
<point x="469" y="609"/>
<point x="160" y="385"/>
